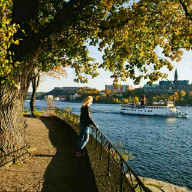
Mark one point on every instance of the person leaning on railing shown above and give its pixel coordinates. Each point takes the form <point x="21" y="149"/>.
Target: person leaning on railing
<point x="85" y="122"/>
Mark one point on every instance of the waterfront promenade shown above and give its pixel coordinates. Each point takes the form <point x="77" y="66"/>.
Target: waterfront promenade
<point x="54" y="165"/>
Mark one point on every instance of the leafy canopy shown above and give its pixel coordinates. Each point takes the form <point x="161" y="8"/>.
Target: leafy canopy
<point x="128" y="34"/>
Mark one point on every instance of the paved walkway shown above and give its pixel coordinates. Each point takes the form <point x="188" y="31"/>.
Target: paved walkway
<point x="54" y="166"/>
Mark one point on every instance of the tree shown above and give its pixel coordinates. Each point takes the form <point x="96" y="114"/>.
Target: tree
<point x="125" y="100"/>
<point x="80" y="91"/>
<point x="170" y="98"/>
<point x="182" y="93"/>
<point x="136" y="99"/>
<point x="35" y="80"/>
<point x="154" y="99"/>
<point x="175" y="96"/>
<point x="37" y="75"/>
<point x="53" y="33"/>
<point x="115" y="91"/>
<point x="107" y="91"/>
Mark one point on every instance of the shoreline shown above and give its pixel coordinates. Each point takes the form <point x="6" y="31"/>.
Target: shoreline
<point x="159" y="186"/>
<point x="102" y="103"/>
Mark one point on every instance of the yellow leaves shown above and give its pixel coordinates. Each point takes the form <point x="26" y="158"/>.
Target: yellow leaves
<point x="6" y="61"/>
<point x="16" y="42"/>
<point x="16" y="63"/>
<point x="182" y="93"/>
<point x="164" y="30"/>
<point x="140" y="52"/>
<point x="7" y="31"/>
<point x="57" y="72"/>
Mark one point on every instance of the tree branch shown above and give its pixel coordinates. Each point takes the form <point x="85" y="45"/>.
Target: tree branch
<point x="63" y="17"/>
<point x="185" y="10"/>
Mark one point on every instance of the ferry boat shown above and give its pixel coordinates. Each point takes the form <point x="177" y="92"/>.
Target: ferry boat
<point x="166" y="109"/>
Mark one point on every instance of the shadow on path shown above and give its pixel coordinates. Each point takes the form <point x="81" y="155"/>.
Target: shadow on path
<point x="66" y="172"/>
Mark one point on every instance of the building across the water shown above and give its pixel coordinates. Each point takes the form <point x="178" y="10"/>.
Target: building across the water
<point x="67" y="88"/>
<point x="121" y="89"/>
<point x="169" y="86"/>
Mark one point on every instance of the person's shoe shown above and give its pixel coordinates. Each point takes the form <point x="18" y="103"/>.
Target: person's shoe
<point x="80" y="154"/>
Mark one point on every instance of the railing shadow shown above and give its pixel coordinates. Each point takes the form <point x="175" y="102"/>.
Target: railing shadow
<point x="66" y="172"/>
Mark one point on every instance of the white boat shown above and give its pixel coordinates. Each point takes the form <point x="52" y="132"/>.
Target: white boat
<point x="56" y="98"/>
<point x="166" y="109"/>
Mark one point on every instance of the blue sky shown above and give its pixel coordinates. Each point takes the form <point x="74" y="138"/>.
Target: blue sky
<point x="184" y="68"/>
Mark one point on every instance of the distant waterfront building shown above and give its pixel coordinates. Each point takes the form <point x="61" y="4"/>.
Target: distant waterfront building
<point x="102" y="92"/>
<point x="62" y="97"/>
<point x="48" y="97"/>
<point x="73" y="97"/>
<point x="56" y="99"/>
<point x="121" y="89"/>
<point x="67" y="88"/>
<point x="169" y="86"/>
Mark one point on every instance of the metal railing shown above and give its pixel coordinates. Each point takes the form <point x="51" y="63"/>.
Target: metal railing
<point x="13" y="156"/>
<point x="125" y="170"/>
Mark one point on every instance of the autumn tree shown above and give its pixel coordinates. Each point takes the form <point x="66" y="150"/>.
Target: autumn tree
<point x="53" y="33"/>
<point x="80" y="91"/>
<point x="125" y="100"/>
<point x="182" y="93"/>
<point x="115" y="91"/>
<point x="38" y="75"/>
<point x="170" y="98"/>
<point x="154" y="99"/>
<point x="175" y="96"/>
<point x="107" y="91"/>
<point x="136" y="99"/>
<point x="35" y="81"/>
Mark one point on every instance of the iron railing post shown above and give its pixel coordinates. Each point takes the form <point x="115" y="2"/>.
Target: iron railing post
<point x="92" y="136"/>
<point x="96" y="139"/>
<point x="101" y="148"/>
<point x="121" y="177"/>
<point x="108" y="169"/>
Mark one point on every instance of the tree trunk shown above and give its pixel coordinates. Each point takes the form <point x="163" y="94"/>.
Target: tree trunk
<point x="35" y="84"/>
<point x="12" y="130"/>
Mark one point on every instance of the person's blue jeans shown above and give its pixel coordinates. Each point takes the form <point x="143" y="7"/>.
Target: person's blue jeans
<point x="83" y="136"/>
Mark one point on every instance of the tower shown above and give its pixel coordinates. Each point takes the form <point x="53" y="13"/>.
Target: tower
<point x="176" y="79"/>
<point x="176" y="76"/>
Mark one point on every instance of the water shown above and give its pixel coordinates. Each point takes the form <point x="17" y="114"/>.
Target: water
<point x="161" y="146"/>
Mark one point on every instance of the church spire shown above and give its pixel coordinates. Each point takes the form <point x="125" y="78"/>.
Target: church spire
<point x="176" y="76"/>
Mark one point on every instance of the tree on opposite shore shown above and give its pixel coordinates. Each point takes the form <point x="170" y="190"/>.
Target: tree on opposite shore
<point x="52" y="33"/>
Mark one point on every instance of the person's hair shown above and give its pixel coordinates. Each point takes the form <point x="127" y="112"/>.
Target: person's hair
<point x="87" y="100"/>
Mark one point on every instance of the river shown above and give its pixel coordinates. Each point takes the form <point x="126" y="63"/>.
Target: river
<point x="161" y="146"/>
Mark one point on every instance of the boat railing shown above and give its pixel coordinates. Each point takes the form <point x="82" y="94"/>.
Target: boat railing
<point x="113" y="154"/>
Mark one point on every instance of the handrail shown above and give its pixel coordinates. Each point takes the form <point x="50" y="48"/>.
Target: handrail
<point x="12" y="155"/>
<point x="134" y="181"/>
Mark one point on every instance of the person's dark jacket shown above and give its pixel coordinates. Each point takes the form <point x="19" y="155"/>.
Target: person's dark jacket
<point x="85" y="117"/>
